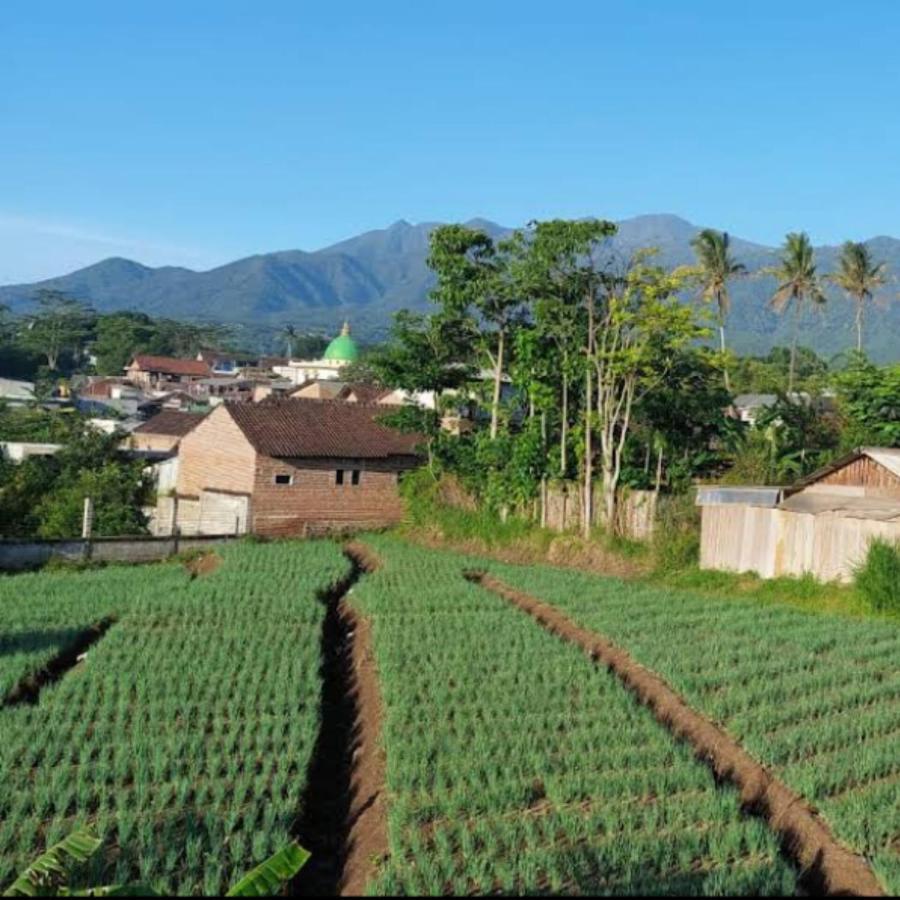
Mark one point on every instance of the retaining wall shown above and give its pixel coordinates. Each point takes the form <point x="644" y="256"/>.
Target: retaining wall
<point x="17" y="556"/>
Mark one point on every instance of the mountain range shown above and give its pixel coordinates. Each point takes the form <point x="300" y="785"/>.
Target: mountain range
<point x="368" y="277"/>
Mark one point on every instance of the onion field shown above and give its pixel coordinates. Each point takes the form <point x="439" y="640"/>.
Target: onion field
<point x="185" y="737"/>
<point x="815" y="698"/>
<point x="508" y="761"/>
<point x="514" y="764"/>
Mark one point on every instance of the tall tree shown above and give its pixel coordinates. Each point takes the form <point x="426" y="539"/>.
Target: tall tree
<point x="641" y="328"/>
<point x="290" y="335"/>
<point x="119" y="337"/>
<point x="555" y="274"/>
<point x="859" y="276"/>
<point x="61" y="324"/>
<point x="474" y="283"/>
<point x="798" y="282"/>
<point x="717" y="267"/>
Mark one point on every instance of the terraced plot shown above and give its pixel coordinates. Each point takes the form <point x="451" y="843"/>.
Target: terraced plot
<point x="516" y="765"/>
<point x="45" y="613"/>
<point x="186" y="737"/>
<point x="815" y="698"/>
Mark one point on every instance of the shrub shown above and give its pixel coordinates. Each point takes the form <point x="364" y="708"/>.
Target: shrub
<point x="676" y="539"/>
<point x="878" y="578"/>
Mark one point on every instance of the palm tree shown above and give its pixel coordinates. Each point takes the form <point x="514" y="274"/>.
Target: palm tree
<point x="859" y="276"/>
<point x="290" y="335"/>
<point x="717" y="268"/>
<point x="798" y="281"/>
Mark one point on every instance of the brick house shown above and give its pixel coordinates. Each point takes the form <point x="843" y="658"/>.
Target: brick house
<point x="163" y="433"/>
<point x="161" y="372"/>
<point x="291" y="467"/>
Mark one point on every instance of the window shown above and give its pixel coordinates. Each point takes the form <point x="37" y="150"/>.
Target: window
<point x="284" y="479"/>
<point x="339" y="476"/>
<point x="355" y="479"/>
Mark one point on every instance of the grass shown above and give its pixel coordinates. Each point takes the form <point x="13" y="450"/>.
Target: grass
<point x="804" y="593"/>
<point x="878" y="578"/>
<point x="669" y="561"/>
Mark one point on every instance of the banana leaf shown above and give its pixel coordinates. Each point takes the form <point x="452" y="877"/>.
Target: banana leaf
<point x="45" y="876"/>
<point x="266" y="880"/>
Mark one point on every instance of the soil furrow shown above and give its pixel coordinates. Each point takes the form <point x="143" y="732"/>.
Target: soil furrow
<point x="28" y="690"/>
<point x="828" y="867"/>
<point x="343" y="822"/>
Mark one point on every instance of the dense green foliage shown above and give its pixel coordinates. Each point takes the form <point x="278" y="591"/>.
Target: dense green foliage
<point x="813" y="697"/>
<point x="515" y="765"/>
<point x="878" y="577"/>
<point x="34" y="424"/>
<point x="44" y="495"/>
<point x="188" y="729"/>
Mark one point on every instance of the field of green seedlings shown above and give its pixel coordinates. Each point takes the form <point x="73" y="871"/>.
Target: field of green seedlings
<point x="185" y="737"/>
<point x="514" y="764"/>
<point x="816" y="698"/>
<point x="44" y="613"/>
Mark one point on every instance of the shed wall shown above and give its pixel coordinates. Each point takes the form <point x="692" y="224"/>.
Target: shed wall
<point x="774" y="542"/>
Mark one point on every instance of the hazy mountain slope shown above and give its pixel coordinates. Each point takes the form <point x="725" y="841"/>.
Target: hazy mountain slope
<point x="368" y="277"/>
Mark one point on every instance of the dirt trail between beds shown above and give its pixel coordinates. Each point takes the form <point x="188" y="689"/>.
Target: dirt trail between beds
<point x="829" y="868"/>
<point x="344" y="823"/>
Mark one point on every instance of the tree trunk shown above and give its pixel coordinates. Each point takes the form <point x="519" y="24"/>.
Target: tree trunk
<point x="564" y="429"/>
<point x="859" y="324"/>
<point x="610" y="486"/>
<point x="544" y="474"/>
<point x="659" y="471"/>
<point x="724" y="362"/>
<point x="498" y="380"/>
<point x="793" y="365"/>
<point x="588" y="505"/>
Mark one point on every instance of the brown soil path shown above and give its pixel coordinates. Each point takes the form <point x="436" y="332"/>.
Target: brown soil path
<point x="828" y="866"/>
<point x="344" y="825"/>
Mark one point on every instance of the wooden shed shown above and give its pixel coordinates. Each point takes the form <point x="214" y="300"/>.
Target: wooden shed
<point x="823" y="525"/>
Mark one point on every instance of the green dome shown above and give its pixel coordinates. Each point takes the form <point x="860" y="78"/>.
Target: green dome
<point x="343" y="348"/>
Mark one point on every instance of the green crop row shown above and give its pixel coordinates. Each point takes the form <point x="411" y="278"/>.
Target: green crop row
<point x="516" y="765"/>
<point x="44" y="613"/>
<point x="185" y="737"/>
<point x="815" y="698"/>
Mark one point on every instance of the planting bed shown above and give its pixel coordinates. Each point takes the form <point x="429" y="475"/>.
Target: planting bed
<point x="43" y="615"/>
<point x="186" y="736"/>
<point x="814" y="698"/>
<point x="516" y="765"/>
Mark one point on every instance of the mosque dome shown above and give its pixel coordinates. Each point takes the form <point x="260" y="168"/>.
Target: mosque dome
<point x="343" y="348"/>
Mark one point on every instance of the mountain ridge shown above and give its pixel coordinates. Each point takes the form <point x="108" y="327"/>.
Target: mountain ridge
<point x="369" y="276"/>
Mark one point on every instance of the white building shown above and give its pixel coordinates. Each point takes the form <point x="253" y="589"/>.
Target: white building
<point x="340" y="352"/>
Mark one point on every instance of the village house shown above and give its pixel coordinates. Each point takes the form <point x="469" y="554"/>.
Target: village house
<point x="289" y="467"/>
<point x="822" y="526"/>
<point x="220" y="363"/>
<point x="16" y="393"/>
<point x="161" y="435"/>
<point x="160" y="373"/>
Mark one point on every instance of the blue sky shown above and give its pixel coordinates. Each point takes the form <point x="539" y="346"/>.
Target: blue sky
<point x="193" y="133"/>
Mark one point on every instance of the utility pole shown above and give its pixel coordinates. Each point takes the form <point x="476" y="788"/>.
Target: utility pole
<point x="87" y="526"/>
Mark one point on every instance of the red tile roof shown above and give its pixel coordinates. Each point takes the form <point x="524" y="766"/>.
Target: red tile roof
<point x="168" y="365"/>
<point x="364" y="393"/>
<point x="172" y="423"/>
<point x="297" y="428"/>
